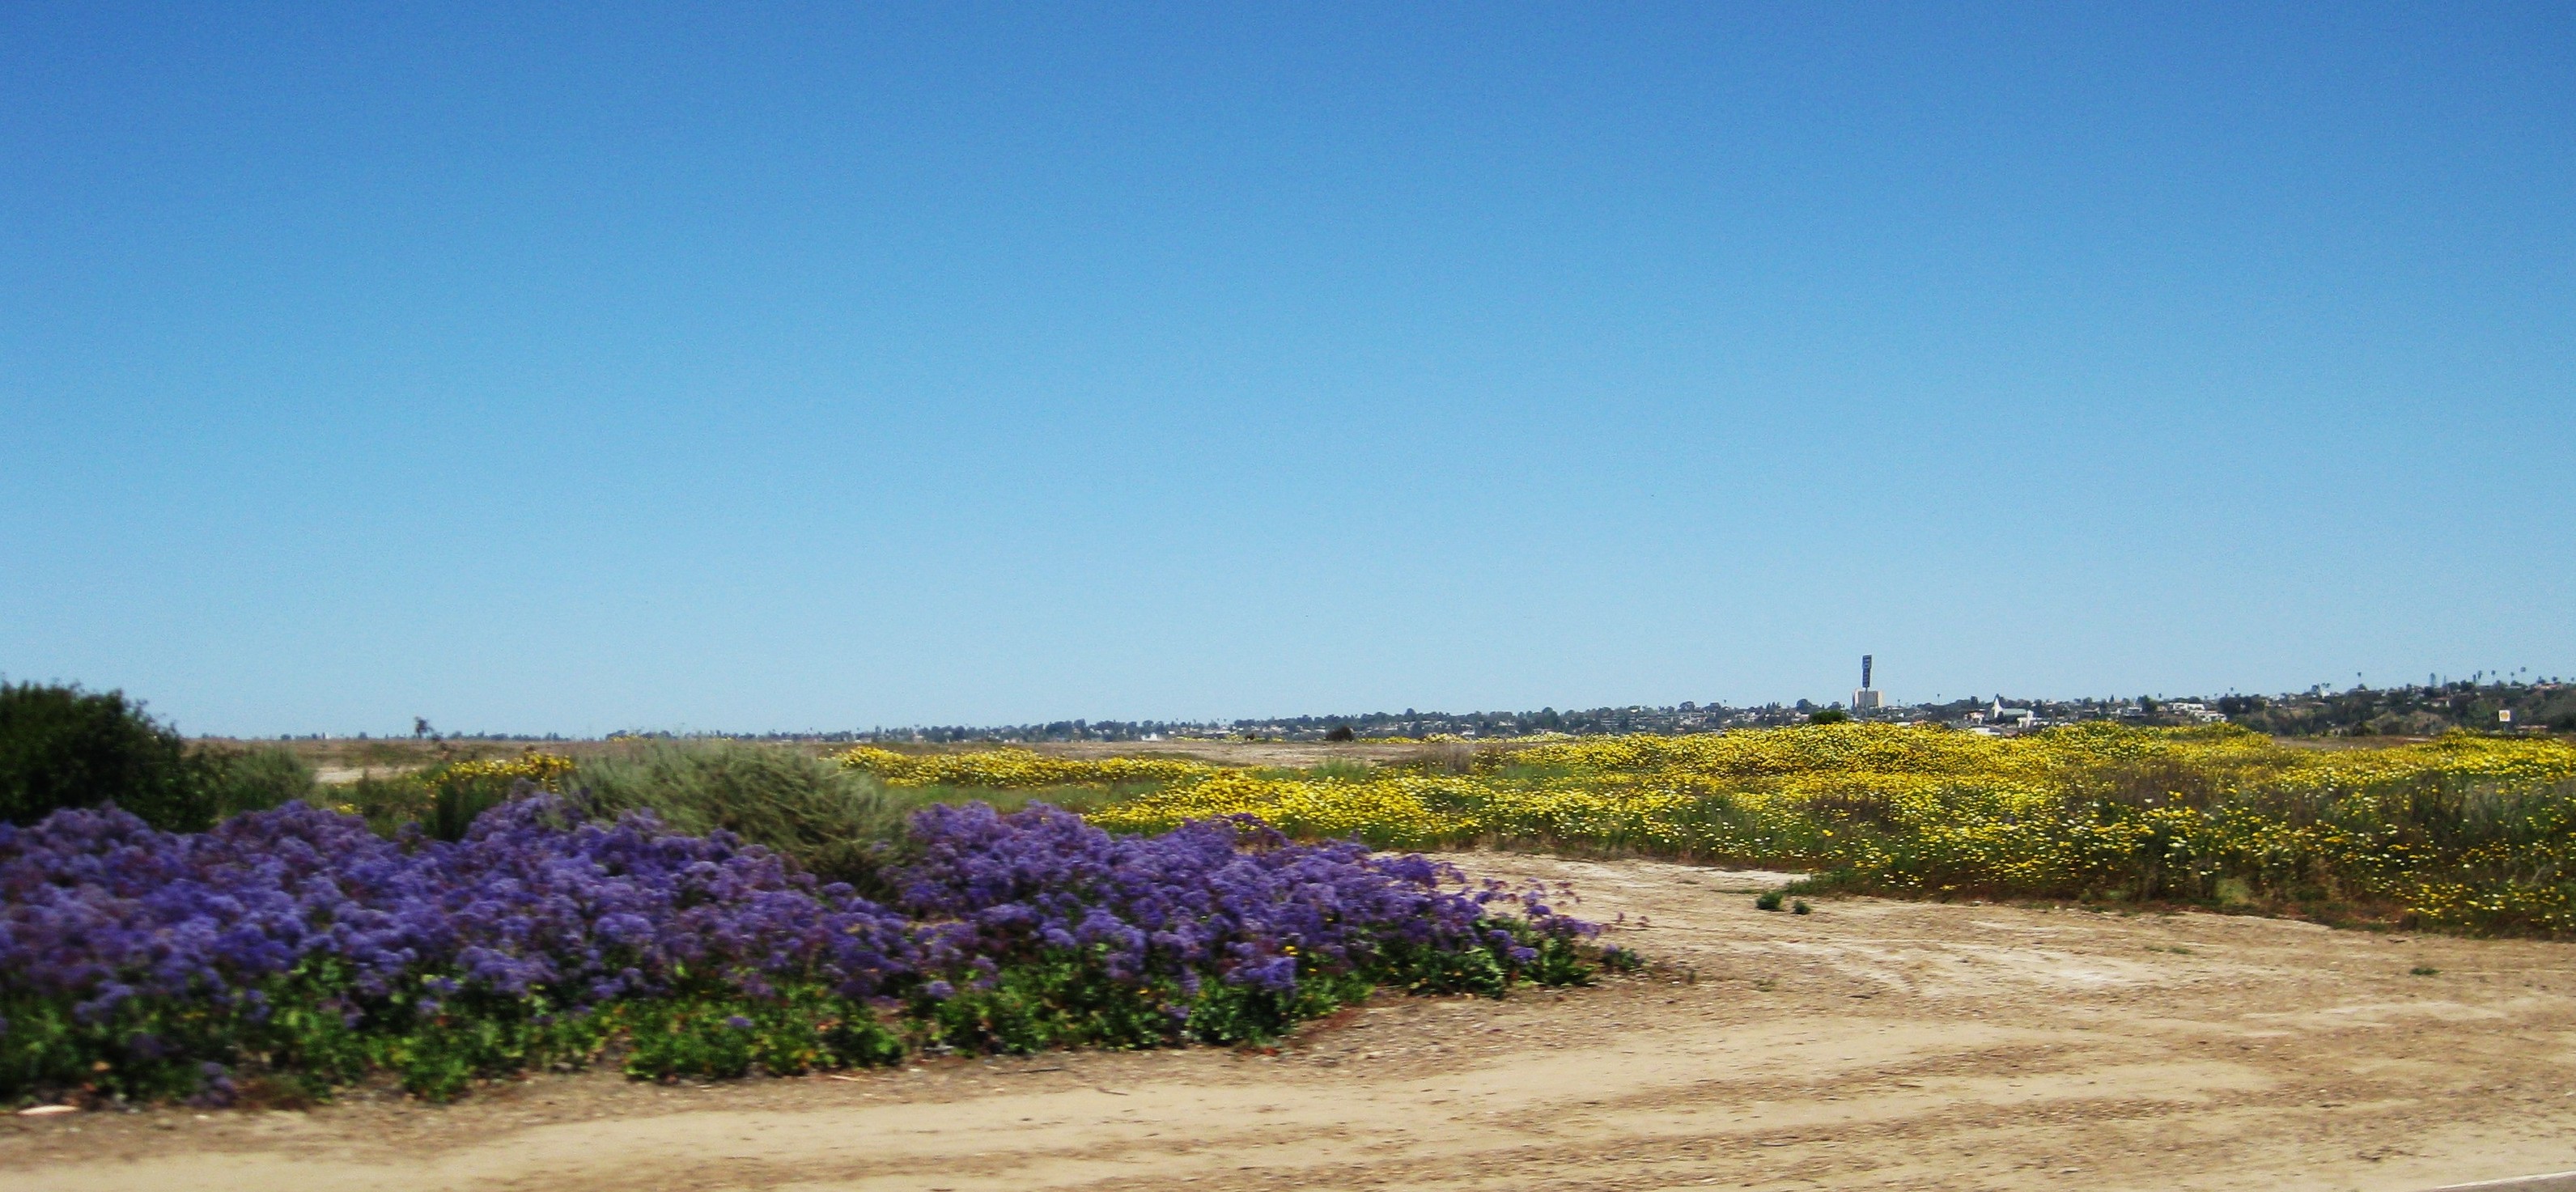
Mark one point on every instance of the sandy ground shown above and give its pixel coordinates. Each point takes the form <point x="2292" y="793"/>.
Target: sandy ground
<point x="1869" y="1045"/>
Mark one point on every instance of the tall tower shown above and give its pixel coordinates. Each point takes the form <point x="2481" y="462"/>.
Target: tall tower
<point x="1866" y="699"/>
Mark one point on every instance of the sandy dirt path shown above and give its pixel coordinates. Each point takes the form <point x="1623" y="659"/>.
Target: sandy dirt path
<point x="1869" y="1045"/>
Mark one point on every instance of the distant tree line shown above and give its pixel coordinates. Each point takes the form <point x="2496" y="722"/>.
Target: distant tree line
<point x="2359" y="711"/>
<point x="2407" y="711"/>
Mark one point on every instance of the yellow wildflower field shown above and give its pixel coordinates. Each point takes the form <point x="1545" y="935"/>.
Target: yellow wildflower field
<point x="2464" y="831"/>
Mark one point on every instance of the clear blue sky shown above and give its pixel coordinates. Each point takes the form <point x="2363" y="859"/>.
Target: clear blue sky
<point x="775" y="367"/>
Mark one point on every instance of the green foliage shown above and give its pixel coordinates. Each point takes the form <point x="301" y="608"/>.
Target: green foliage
<point x="445" y="798"/>
<point x="1481" y="971"/>
<point x="253" y="779"/>
<point x="839" y="823"/>
<point x="439" y="1051"/>
<point x="295" y="1042"/>
<point x="836" y="822"/>
<point x="61" y="746"/>
<point x="1243" y="1014"/>
<point x="444" y="803"/>
<point x="1560" y="962"/>
<point x="1066" y="999"/>
<point x="1425" y="971"/>
<point x="1829" y="716"/>
<point x="301" y="1038"/>
<point x="1063" y="999"/>
<point x="454" y="803"/>
<point x="721" y="1035"/>
<point x="1768" y="900"/>
<point x="2421" y="711"/>
<point x="386" y="803"/>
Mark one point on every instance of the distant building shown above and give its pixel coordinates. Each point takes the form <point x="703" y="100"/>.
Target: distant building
<point x="1867" y="698"/>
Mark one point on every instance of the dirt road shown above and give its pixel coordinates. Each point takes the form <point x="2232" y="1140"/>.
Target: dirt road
<point x="1869" y="1045"/>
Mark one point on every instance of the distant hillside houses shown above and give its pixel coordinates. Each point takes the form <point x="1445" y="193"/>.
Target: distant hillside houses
<point x="2542" y="706"/>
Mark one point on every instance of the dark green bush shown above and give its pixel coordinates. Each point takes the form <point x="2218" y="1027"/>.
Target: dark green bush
<point x="61" y="746"/>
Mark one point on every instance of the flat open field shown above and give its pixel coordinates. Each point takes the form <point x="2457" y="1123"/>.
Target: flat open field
<point x="1870" y="1045"/>
<point x="341" y="759"/>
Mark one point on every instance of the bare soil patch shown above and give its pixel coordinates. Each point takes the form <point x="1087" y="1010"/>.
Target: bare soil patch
<point x="1873" y="1044"/>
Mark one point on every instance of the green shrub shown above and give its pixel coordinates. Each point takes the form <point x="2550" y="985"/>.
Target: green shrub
<point x="255" y="779"/>
<point x="386" y="803"/>
<point x="61" y="746"/>
<point x="1479" y="970"/>
<point x="1240" y="1014"/>
<point x="1768" y="900"/>
<point x="445" y="798"/>
<point x="837" y="823"/>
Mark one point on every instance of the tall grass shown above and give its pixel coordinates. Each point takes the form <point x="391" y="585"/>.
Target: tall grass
<point x="253" y="779"/>
<point x="837" y="823"/>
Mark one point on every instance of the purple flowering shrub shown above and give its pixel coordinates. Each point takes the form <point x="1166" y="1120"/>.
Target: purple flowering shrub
<point x="1220" y="930"/>
<point x="299" y="949"/>
<point x="146" y="963"/>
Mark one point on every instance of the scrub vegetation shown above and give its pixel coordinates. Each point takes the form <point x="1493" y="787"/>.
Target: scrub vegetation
<point x="670" y="913"/>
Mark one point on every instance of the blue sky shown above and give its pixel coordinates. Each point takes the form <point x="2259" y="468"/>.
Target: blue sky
<point x="776" y="367"/>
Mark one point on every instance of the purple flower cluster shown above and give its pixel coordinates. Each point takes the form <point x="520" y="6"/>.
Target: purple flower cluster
<point x="1230" y="898"/>
<point x="95" y="907"/>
